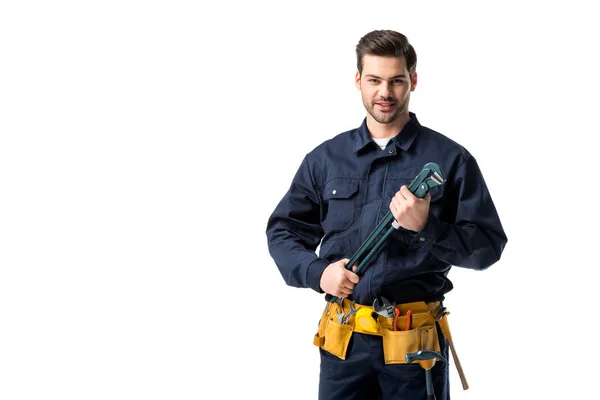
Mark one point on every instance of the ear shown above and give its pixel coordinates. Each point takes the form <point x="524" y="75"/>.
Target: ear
<point x="413" y="82"/>
<point x="357" y="80"/>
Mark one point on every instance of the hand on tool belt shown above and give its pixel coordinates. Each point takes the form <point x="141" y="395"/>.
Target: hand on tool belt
<point x="337" y="280"/>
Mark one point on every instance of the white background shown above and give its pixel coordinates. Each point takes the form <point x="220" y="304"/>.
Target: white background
<point x="143" y="146"/>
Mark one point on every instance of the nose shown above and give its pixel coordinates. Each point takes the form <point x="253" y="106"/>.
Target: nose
<point x="385" y="89"/>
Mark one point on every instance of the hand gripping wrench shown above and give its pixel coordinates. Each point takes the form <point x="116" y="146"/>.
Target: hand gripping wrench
<point x="429" y="177"/>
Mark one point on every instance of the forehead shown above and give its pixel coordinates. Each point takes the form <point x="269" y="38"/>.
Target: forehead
<point x="384" y="66"/>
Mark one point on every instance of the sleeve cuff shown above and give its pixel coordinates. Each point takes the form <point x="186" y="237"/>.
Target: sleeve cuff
<point x="313" y="274"/>
<point x="429" y="233"/>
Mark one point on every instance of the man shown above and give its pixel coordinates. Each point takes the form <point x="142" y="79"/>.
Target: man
<point x="341" y="191"/>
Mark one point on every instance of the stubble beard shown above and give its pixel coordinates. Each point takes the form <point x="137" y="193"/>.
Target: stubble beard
<point x="387" y="117"/>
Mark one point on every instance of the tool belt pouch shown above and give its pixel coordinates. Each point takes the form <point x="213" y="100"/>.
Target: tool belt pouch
<point x="332" y="336"/>
<point x="422" y="336"/>
<point x="320" y="335"/>
<point x="337" y="338"/>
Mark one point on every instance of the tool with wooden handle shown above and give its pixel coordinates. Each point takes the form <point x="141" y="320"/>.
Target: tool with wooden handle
<point x="440" y="314"/>
<point x="426" y="359"/>
<point x="446" y="331"/>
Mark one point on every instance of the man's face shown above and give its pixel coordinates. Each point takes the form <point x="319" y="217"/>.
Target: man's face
<point x="385" y="87"/>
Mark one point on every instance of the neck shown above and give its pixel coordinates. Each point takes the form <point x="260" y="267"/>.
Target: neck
<point x="381" y="131"/>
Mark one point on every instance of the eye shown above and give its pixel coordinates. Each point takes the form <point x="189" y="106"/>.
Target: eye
<point x="398" y="81"/>
<point x="374" y="81"/>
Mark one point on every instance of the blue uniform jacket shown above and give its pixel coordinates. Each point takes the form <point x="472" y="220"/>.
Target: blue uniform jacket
<point x="343" y="188"/>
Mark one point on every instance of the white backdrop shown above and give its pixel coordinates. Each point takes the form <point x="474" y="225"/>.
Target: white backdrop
<point x="143" y="145"/>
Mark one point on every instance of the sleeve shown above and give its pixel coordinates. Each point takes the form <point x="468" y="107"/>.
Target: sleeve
<point x="294" y="231"/>
<point x="472" y="237"/>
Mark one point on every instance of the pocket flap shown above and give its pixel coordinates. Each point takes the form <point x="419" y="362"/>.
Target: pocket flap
<point x="340" y="188"/>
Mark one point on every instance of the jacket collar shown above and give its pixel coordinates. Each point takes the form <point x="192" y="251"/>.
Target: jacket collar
<point x="402" y="140"/>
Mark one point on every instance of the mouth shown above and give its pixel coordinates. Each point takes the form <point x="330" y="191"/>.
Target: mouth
<point x="385" y="105"/>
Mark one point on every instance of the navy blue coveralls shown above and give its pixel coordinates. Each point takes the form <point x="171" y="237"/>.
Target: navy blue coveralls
<point x="342" y="189"/>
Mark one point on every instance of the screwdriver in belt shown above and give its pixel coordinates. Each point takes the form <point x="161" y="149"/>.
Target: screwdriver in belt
<point x="429" y="177"/>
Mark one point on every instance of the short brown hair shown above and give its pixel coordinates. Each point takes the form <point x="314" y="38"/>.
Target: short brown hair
<point x="386" y="43"/>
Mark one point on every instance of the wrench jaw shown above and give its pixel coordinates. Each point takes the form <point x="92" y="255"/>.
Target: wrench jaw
<point x="383" y="307"/>
<point x="344" y="319"/>
<point x="390" y="311"/>
<point x="434" y="170"/>
<point x="437" y="178"/>
<point x="430" y="176"/>
<point x="351" y="312"/>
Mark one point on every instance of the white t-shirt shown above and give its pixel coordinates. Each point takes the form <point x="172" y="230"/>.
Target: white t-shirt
<point x="382" y="142"/>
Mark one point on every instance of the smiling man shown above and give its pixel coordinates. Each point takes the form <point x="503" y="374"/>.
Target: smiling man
<point x="385" y="84"/>
<point x="342" y="190"/>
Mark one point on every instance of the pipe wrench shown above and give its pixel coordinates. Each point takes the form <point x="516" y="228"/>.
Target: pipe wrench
<point x="429" y="177"/>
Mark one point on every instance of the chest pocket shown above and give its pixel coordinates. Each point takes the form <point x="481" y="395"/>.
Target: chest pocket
<point x="339" y="204"/>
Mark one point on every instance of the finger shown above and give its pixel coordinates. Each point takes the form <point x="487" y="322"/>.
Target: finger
<point x="400" y="198"/>
<point x="352" y="277"/>
<point x="399" y="203"/>
<point x="354" y="267"/>
<point x="407" y="193"/>
<point x="348" y="284"/>
<point x="400" y="195"/>
<point x="394" y="210"/>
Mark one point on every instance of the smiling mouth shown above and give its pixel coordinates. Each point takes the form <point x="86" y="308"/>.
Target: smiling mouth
<point x="385" y="105"/>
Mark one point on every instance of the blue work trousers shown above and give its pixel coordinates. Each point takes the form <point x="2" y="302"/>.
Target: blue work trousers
<point x="363" y="375"/>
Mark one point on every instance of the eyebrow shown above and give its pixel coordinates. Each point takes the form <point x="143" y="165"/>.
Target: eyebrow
<point x="393" y="77"/>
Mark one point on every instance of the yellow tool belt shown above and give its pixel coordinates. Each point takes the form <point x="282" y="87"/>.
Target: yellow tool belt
<point x="422" y="333"/>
